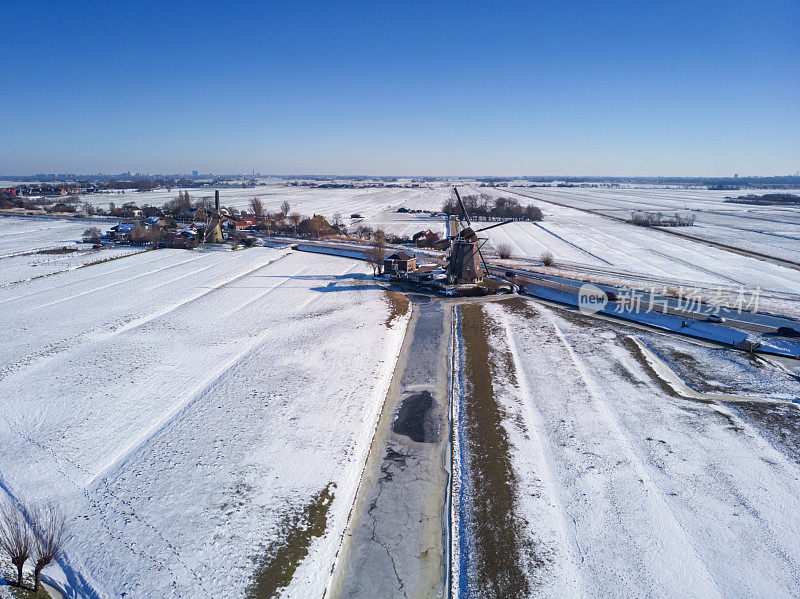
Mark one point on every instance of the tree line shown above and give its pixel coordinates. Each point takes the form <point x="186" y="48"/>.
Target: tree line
<point x="658" y="219"/>
<point x="485" y="207"/>
<point x="766" y="199"/>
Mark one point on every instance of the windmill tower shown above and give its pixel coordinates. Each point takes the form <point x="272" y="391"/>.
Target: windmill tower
<point x="465" y="264"/>
<point x="213" y="226"/>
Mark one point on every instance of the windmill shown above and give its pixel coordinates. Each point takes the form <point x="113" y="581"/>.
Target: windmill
<point x="465" y="264"/>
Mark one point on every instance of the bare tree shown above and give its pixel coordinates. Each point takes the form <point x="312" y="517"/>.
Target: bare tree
<point x="15" y="537"/>
<point x="547" y="258"/>
<point x="180" y="204"/>
<point x="257" y="207"/>
<point x="49" y="527"/>
<point x="375" y="254"/>
<point x="92" y="235"/>
<point x="337" y="220"/>
<point x="206" y="203"/>
<point x="294" y="217"/>
<point x="285" y="207"/>
<point x="153" y="235"/>
<point x="364" y="232"/>
<point x="138" y="234"/>
<point x="504" y="250"/>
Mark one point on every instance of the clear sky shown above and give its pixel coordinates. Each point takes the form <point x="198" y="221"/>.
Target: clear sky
<point x="485" y="88"/>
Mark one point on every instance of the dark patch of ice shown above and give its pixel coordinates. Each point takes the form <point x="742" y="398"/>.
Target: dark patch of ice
<point x="413" y="418"/>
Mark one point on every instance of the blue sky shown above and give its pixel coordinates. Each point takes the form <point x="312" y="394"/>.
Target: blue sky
<point x="584" y="88"/>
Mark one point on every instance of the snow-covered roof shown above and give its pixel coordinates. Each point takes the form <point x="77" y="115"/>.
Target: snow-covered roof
<point x="400" y="256"/>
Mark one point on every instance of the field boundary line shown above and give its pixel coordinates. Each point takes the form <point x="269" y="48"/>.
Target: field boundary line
<point x="205" y="292"/>
<point x="120" y="282"/>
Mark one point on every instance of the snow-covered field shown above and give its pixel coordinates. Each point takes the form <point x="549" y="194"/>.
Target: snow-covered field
<point x="404" y="223"/>
<point x="19" y="235"/>
<point x="195" y="412"/>
<point x="587" y="239"/>
<point x="35" y="248"/>
<point x="625" y="489"/>
<point x="185" y="406"/>
<point x="773" y="230"/>
<point x="571" y="235"/>
<point x="591" y="239"/>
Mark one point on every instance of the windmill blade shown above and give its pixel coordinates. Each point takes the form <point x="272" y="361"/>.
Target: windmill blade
<point x="477" y="250"/>
<point x="463" y="208"/>
<point x="478" y="245"/>
<point x="505" y="222"/>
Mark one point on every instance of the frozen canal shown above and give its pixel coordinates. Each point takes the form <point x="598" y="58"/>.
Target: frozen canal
<point x="396" y="541"/>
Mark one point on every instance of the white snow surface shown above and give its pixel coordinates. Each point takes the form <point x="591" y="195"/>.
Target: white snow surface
<point x="773" y="230"/>
<point x="574" y="237"/>
<point x="23" y="240"/>
<point x="629" y="491"/>
<point x="18" y="235"/>
<point x="181" y="404"/>
<point x="578" y="237"/>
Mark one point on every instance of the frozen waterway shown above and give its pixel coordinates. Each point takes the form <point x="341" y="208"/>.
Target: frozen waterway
<point x="395" y="546"/>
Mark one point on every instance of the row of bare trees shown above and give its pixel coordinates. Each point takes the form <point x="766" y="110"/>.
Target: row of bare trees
<point x="35" y="532"/>
<point x="485" y="207"/>
<point x="658" y="219"/>
<point x="315" y="225"/>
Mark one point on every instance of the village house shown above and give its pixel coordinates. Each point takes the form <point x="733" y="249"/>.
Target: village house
<point x="245" y="224"/>
<point x="121" y="232"/>
<point x="151" y="211"/>
<point x="185" y="239"/>
<point x="399" y="262"/>
<point x="155" y="221"/>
